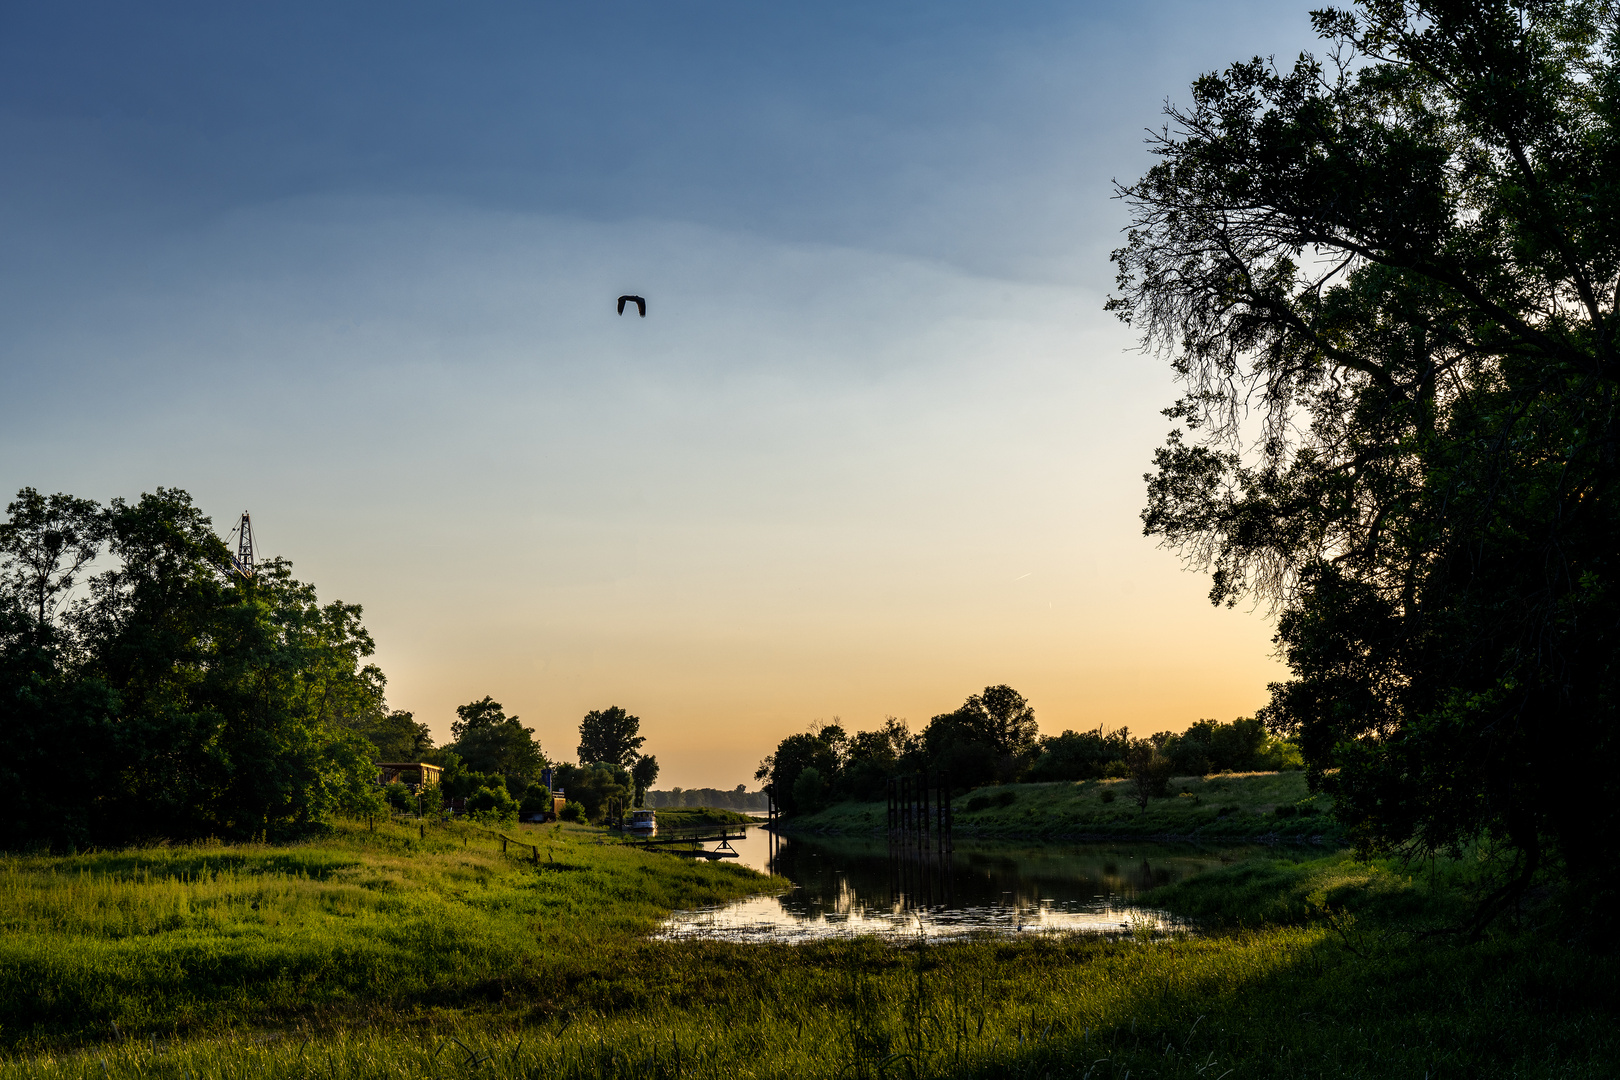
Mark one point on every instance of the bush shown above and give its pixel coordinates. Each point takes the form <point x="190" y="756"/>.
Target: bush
<point x="536" y="800"/>
<point x="399" y="797"/>
<point x="1108" y="795"/>
<point x="572" y="811"/>
<point x="1284" y="811"/>
<point x="496" y="800"/>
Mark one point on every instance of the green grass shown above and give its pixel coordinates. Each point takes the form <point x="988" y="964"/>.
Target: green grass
<point x="384" y="956"/>
<point x="357" y="924"/>
<point x="1224" y="808"/>
<point x="1290" y="888"/>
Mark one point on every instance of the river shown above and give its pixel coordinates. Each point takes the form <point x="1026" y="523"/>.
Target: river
<point x="849" y="886"/>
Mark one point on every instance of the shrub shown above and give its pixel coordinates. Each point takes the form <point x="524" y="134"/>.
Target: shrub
<point x="495" y="800"/>
<point x="1108" y="794"/>
<point x="572" y="811"/>
<point x="1284" y="811"/>
<point x="399" y="797"/>
<point x="536" y="800"/>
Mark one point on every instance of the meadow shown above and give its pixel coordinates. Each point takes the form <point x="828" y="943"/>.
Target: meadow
<point x="1232" y="807"/>
<point x="380" y="953"/>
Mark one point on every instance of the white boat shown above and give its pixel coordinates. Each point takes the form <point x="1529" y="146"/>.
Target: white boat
<point x="642" y="823"/>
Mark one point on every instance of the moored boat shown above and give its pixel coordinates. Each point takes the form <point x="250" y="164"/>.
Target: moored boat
<point x="642" y="823"/>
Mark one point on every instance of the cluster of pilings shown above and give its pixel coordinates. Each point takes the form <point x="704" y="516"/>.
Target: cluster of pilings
<point x="920" y="811"/>
<point x="920" y="841"/>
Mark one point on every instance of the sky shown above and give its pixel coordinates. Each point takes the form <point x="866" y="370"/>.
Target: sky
<point x="875" y="446"/>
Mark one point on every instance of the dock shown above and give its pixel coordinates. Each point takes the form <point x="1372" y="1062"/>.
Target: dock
<point x="668" y="843"/>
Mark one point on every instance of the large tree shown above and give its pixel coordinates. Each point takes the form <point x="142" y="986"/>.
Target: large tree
<point x="171" y="697"/>
<point x="610" y="735"/>
<point x="1388" y="283"/>
<point x="992" y="737"/>
<point x="489" y="741"/>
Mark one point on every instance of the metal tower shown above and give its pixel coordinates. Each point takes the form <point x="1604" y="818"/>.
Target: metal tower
<point x="244" y="546"/>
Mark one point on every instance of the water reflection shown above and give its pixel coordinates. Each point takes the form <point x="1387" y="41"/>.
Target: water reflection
<point x="856" y="886"/>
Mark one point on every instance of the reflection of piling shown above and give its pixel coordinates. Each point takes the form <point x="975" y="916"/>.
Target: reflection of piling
<point x="920" y="843"/>
<point x="920" y="878"/>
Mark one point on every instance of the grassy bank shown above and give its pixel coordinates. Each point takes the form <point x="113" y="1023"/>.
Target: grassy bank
<point x="1225" y="808"/>
<point x="695" y="817"/>
<point x="357" y="925"/>
<point x="385" y="956"/>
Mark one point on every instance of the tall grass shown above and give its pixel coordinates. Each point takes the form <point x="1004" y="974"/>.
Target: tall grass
<point x="205" y="936"/>
<point x="1283" y="1003"/>
<point x="380" y="955"/>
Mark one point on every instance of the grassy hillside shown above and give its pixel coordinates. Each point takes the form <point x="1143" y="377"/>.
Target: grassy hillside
<point x="1232" y="807"/>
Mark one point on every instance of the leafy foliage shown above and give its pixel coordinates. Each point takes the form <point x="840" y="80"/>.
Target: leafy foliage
<point x="1388" y="283"/>
<point x="591" y="786"/>
<point x="643" y="774"/>
<point x="489" y="741"/>
<point x="396" y="735"/>
<point x="172" y="698"/>
<point x="610" y="735"/>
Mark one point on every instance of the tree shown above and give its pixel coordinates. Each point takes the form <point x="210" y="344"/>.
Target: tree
<point x="591" y="786"/>
<point x="609" y="735"/>
<point x="1150" y="772"/>
<point x="875" y="756"/>
<point x="397" y="736"/>
<point x="808" y="789"/>
<point x="172" y="698"/>
<point x="1076" y="755"/>
<point x="489" y="741"/>
<point x="1387" y="283"/>
<point x="643" y="774"/>
<point x="993" y="736"/>
<point x="45" y="542"/>
<point x="822" y="750"/>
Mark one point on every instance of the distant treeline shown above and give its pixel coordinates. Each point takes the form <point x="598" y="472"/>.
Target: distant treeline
<point x="739" y="798"/>
<point x="992" y="739"/>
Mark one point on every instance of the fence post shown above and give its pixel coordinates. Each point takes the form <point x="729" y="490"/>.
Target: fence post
<point x="423" y="830"/>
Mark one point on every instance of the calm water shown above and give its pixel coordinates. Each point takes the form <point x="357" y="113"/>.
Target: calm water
<point x="845" y="887"/>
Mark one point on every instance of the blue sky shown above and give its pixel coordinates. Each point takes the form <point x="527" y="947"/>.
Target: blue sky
<point x="875" y="446"/>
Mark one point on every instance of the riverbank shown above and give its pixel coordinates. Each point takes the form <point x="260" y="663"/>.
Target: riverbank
<point x="696" y="817"/>
<point x="380" y="955"/>
<point x="353" y="927"/>
<point x="1226" y="808"/>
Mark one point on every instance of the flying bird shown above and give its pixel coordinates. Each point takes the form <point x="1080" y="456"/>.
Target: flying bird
<point x="641" y="305"/>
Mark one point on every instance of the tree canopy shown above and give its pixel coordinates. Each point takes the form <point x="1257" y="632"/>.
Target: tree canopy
<point x="610" y="735"/>
<point x="166" y="695"/>
<point x="1387" y="281"/>
<point x="489" y="741"/>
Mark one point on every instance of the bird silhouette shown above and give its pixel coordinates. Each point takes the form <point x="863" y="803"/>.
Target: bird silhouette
<point x="641" y="305"/>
